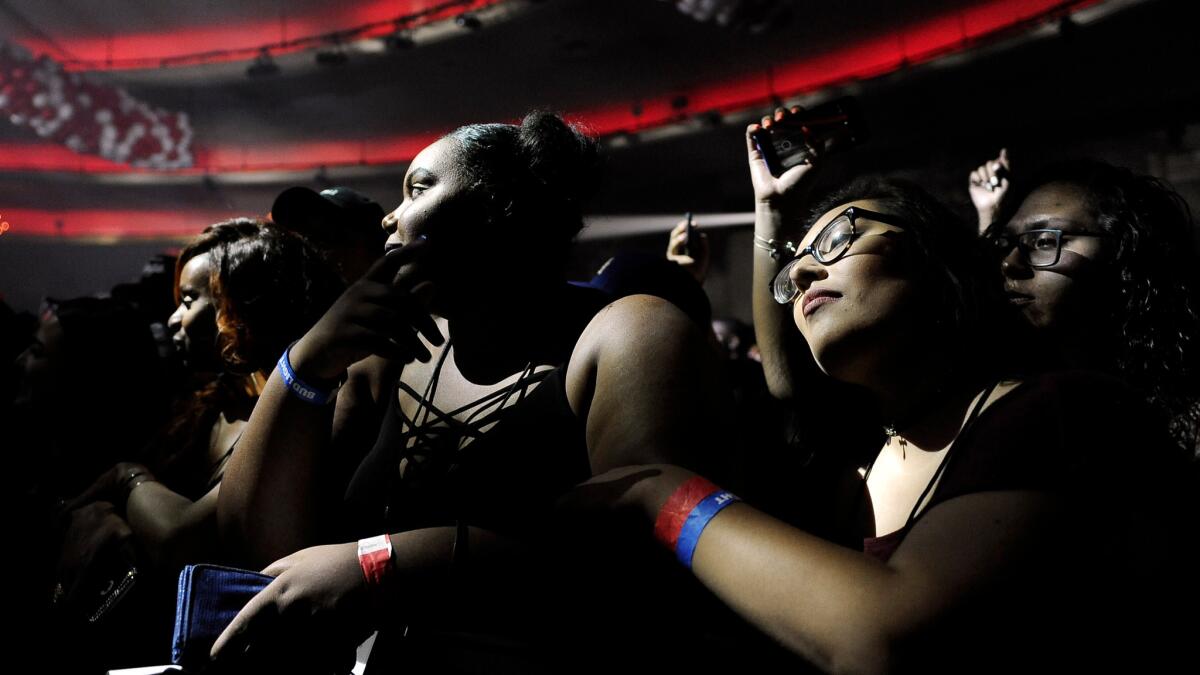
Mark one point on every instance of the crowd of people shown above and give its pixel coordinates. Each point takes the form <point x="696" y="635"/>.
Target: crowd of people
<point x="944" y="445"/>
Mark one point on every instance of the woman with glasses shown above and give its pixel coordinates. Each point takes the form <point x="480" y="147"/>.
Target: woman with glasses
<point x="1002" y="524"/>
<point x="1101" y="263"/>
<point x="513" y="386"/>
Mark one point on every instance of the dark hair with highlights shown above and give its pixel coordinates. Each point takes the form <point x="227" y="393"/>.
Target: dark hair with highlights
<point x="269" y="287"/>
<point x="1155" y="320"/>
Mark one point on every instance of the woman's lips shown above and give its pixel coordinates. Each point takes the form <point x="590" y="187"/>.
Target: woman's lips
<point x="1018" y="299"/>
<point x="814" y="299"/>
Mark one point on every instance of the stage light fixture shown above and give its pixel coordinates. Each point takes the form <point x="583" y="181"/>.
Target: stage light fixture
<point x="399" y="41"/>
<point x="263" y="66"/>
<point x="332" y="57"/>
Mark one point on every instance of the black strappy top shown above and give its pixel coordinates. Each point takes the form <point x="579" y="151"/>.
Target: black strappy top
<point x="504" y="480"/>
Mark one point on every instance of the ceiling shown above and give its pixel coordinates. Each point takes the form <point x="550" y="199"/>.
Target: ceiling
<point x="634" y="70"/>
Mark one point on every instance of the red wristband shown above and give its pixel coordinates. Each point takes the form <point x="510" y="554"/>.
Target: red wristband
<point x="374" y="556"/>
<point x="674" y="513"/>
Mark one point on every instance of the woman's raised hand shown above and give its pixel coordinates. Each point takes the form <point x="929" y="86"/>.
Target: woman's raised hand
<point x="768" y="189"/>
<point x="379" y="314"/>
<point x="987" y="185"/>
<point x="692" y="256"/>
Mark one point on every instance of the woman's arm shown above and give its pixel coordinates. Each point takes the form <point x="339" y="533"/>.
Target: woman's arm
<point x="778" y="215"/>
<point x="274" y="496"/>
<point x="646" y="382"/>
<point x="172" y="529"/>
<point x="839" y="608"/>
<point x="322" y="591"/>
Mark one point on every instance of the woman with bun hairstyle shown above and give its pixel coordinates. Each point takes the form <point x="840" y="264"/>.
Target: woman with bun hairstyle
<point x="1006" y="523"/>
<point x="513" y="386"/>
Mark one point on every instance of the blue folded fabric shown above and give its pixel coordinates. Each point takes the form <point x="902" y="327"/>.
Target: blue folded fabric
<point x="209" y="597"/>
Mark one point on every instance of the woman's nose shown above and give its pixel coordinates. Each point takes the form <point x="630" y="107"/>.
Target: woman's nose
<point x="805" y="272"/>
<point x="389" y="221"/>
<point x="1013" y="265"/>
<point x="176" y="319"/>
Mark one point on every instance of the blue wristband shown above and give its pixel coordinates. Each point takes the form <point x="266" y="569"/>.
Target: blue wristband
<point x="697" y="520"/>
<point x="298" y="387"/>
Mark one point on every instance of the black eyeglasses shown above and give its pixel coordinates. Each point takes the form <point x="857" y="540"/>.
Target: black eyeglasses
<point x="830" y="244"/>
<point x="1037" y="248"/>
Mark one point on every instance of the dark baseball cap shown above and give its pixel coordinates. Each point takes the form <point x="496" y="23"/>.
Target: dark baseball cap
<point x="322" y="215"/>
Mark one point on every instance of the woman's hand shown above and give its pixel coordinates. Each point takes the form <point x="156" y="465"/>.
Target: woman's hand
<point x="318" y="604"/>
<point x="987" y="185"/>
<point x="381" y="314"/>
<point x="108" y="487"/>
<point x="771" y="191"/>
<point x="692" y="256"/>
<point x="93" y="532"/>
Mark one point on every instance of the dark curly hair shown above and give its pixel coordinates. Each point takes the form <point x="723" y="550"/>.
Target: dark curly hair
<point x="533" y="178"/>
<point x="1155" y="320"/>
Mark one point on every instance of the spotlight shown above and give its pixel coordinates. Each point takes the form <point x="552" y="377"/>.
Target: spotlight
<point x="468" y="21"/>
<point x="263" y="66"/>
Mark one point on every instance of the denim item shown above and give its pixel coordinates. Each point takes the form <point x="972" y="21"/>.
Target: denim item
<point x="209" y="597"/>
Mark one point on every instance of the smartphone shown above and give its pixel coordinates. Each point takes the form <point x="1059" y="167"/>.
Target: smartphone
<point x="810" y="134"/>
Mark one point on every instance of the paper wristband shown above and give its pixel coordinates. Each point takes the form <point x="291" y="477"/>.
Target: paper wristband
<point x="298" y="387"/>
<point x="374" y="554"/>
<point x="687" y="511"/>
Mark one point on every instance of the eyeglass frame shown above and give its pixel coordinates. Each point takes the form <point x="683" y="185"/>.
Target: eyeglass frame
<point x="1011" y="241"/>
<point x="851" y="213"/>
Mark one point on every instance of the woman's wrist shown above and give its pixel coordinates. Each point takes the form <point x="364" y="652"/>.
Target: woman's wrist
<point x="686" y="511"/>
<point x="130" y="476"/>
<point x="306" y="366"/>
<point x="775" y="222"/>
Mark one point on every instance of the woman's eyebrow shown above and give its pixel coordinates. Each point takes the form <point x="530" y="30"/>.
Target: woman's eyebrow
<point x="1041" y="223"/>
<point x="419" y="174"/>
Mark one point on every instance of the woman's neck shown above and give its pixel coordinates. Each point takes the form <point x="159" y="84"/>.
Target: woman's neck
<point x="493" y="341"/>
<point x="924" y="399"/>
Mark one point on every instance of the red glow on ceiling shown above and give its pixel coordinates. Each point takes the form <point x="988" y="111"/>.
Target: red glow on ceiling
<point x="120" y="223"/>
<point x="235" y="41"/>
<point x="918" y="43"/>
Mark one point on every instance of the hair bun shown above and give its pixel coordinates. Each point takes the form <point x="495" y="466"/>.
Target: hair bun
<point x="559" y="155"/>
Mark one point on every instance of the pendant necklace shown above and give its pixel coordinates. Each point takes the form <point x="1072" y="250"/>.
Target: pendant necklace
<point x="893" y="432"/>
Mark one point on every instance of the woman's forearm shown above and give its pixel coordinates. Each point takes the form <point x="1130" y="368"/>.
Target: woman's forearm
<point x="172" y="529"/>
<point x="823" y="601"/>
<point x="267" y="506"/>
<point x="846" y="611"/>
<point x="784" y="354"/>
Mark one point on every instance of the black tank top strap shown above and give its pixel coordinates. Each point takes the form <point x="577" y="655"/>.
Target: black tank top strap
<point x="962" y="434"/>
